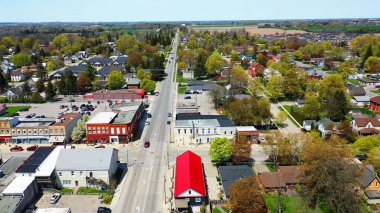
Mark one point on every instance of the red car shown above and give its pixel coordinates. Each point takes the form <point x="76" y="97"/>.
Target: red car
<point x="147" y="144"/>
<point x="17" y="149"/>
<point x="32" y="148"/>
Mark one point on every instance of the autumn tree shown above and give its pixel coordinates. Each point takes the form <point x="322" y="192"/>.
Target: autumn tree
<point x="372" y="64"/>
<point x="214" y="63"/>
<point x="241" y="150"/>
<point x="345" y="130"/>
<point x="239" y="79"/>
<point x="331" y="176"/>
<point x="84" y="83"/>
<point x="246" y="197"/>
<point x="262" y="59"/>
<point x="220" y="150"/>
<point x="115" y="80"/>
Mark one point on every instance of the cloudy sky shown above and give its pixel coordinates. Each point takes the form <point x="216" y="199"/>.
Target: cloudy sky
<point x="179" y="10"/>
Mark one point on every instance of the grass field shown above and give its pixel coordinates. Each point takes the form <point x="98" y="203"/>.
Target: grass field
<point x="250" y="29"/>
<point x="181" y="89"/>
<point x="13" y="109"/>
<point x="365" y="111"/>
<point x="270" y="166"/>
<point x="92" y="191"/>
<point x="290" y="204"/>
<point x="353" y="81"/>
<point x="296" y="112"/>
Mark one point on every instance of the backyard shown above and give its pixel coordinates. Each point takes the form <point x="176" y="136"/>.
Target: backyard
<point x="181" y="89"/>
<point x="14" y="109"/>
<point x="289" y="204"/>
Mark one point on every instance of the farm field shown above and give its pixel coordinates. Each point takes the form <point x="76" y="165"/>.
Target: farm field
<point x="254" y="30"/>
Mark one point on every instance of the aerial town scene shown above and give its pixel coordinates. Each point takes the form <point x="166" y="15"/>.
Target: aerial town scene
<point x="175" y="107"/>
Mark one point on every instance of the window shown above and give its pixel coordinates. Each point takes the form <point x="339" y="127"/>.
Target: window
<point x="198" y="200"/>
<point x="89" y="131"/>
<point x="197" y="131"/>
<point x="66" y="182"/>
<point x="377" y="184"/>
<point x="225" y="132"/>
<point x="208" y="140"/>
<point x="179" y="131"/>
<point x="72" y="172"/>
<point x="209" y="130"/>
<point x="60" y="173"/>
<point x="191" y="131"/>
<point x="189" y="192"/>
<point x="231" y="133"/>
<point x="215" y="130"/>
<point x="184" y="131"/>
<point x="203" y="131"/>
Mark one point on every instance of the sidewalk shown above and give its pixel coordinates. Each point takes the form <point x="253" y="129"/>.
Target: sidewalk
<point x="168" y="188"/>
<point x="120" y="189"/>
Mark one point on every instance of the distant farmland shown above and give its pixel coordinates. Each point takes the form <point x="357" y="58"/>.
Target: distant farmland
<point x="250" y="29"/>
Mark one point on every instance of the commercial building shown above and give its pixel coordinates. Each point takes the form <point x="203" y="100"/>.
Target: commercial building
<point x="118" y="94"/>
<point x="32" y="130"/>
<point x="86" y="167"/>
<point x="6" y="124"/>
<point x="60" y="131"/>
<point x="249" y="133"/>
<point x="195" y="128"/>
<point x="115" y="127"/>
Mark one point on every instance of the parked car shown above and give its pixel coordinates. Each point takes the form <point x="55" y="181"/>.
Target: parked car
<point x="54" y="199"/>
<point x="62" y="106"/>
<point x="100" y="146"/>
<point x="169" y="114"/>
<point x="16" y="149"/>
<point x="147" y="123"/>
<point x="88" y="113"/>
<point x="28" y="116"/>
<point x="146" y="144"/>
<point x="15" y="114"/>
<point x="156" y="93"/>
<point x="187" y="97"/>
<point x="103" y="209"/>
<point x="149" y="115"/>
<point x="32" y="148"/>
<point x="72" y="100"/>
<point x="167" y="122"/>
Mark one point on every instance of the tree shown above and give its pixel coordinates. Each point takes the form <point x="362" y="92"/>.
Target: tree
<point x="241" y="150"/>
<point x="214" y="63"/>
<point x="298" y="55"/>
<point x="68" y="84"/>
<point x="246" y="197"/>
<point x="293" y="83"/>
<point x="200" y="69"/>
<point x="312" y="108"/>
<point x="239" y="79"/>
<point x="364" y="145"/>
<point x="220" y="150"/>
<point x="262" y="59"/>
<point x="148" y="85"/>
<point x="91" y="72"/>
<point x="227" y="49"/>
<point x="374" y="158"/>
<point x="345" y="130"/>
<point x="249" y="111"/>
<point x="282" y="116"/>
<point x="3" y="82"/>
<point x="21" y="59"/>
<point x="368" y="54"/>
<point x="40" y="86"/>
<point x="26" y="90"/>
<point x="50" y="92"/>
<point x="140" y="73"/>
<point x="275" y="87"/>
<point x="115" y="80"/>
<point x="52" y="65"/>
<point x="331" y="175"/>
<point x="36" y="98"/>
<point x="347" y="68"/>
<point x="337" y="105"/>
<point x="372" y="64"/>
<point x="84" y="83"/>
<point x="79" y="132"/>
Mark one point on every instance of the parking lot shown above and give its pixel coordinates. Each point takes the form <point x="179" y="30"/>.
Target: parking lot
<point x="206" y="105"/>
<point x="88" y="203"/>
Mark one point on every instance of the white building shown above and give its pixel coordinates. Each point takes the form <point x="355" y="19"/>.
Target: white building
<point x="190" y="128"/>
<point x="86" y="167"/>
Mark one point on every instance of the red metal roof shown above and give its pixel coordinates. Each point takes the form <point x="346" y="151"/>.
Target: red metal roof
<point x="189" y="174"/>
<point x="376" y="99"/>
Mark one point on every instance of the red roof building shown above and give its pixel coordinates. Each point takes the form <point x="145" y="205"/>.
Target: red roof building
<point x="374" y="104"/>
<point x="189" y="180"/>
<point x="254" y="69"/>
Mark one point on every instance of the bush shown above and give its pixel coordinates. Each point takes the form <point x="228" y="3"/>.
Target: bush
<point x="3" y="100"/>
<point x="107" y="199"/>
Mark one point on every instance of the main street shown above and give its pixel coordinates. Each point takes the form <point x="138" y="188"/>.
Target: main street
<point x="143" y="189"/>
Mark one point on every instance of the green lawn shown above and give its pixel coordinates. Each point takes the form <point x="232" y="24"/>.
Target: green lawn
<point x="13" y="109"/>
<point x="66" y="191"/>
<point x="296" y="112"/>
<point x="290" y="204"/>
<point x="376" y="91"/>
<point x="365" y="111"/>
<point x="216" y="210"/>
<point x="93" y="191"/>
<point x="181" y="89"/>
<point x="353" y="81"/>
<point x="271" y="167"/>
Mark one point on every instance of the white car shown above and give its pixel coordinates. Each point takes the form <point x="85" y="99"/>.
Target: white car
<point x="147" y="123"/>
<point x="261" y="139"/>
<point x="54" y="199"/>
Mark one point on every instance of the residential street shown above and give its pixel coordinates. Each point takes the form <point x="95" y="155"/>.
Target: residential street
<point x="143" y="190"/>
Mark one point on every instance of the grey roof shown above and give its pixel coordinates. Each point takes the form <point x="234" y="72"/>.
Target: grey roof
<point x="124" y="117"/>
<point x="368" y="175"/>
<point x="372" y="194"/>
<point x="203" y="120"/>
<point x="310" y="122"/>
<point x="9" y="168"/>
<point x="16" y="90"/>
<point x="85" y="159"/>
<point x="107" y="69"/>
<point x="76" y="69"/>
<point x="317" y="72"/>
<point x="362" y="98"/>
<point x="9" y="204"/>
<point x="121" y="60"/>
<point x="133" y="81"/>
<point x="102" y="61"/>
<point x="230" y="174"/>
<point x="356" y="91"/>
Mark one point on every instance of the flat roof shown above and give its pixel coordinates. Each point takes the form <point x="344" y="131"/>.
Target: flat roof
<point x="9" y="168"/>
<point x="246" y="129"/>
<point x="85" y="159"/>
<point x="53" y="210"/>
<point x="124" y="117"/>
<point x="66" y="119"/>
<point x="102" y="118"/>
<point x="18" y="185"/>
<point x="48" y="165"/>
<point x="35" y="160"/>
<point x="8" y="204"/>
<point x="34" y="124"/>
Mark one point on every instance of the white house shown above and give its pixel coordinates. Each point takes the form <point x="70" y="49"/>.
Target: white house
<point x="325" y="124"/>
<point x="190" y="128"/>
<point x="309" y="124"/>
<point x="17" y="76"/>
<point x="360" y="100"/>
<point x="366" y="126"/>
<point x="86" y="167"/>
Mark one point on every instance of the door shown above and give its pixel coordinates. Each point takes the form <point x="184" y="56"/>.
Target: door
<point x="76" y="183"/>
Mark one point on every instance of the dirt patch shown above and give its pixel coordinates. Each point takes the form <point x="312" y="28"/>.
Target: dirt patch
<point x="251" y="30"/>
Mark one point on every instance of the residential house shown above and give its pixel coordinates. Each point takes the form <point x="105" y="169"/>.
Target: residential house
<point x="3" y="109"/>
<point x="105" y="71"/>
<point x="320" y="62"/>
<point x="14" y="92"/>
<point x="133" y="83"/>
<point x="76" y="69"/>
<point x="17" y="76"/>
<point x="246" y="57"/>
<point x="86" y="167"/>
<point x="188" y="74"/>
<point x="97" y="62"/>
<point x="356" y="90"/>
<point x="231" y="174"/>
<point x="120" y="61"/>
<point x="200" y="86"/>
<point x="285" y="178"/>
<point x="308" y="125"/>
<point x="189" y="183"/>
<point x="60" y="131"/>
<point x="374" y="104"/>
<point x="24" y="69"/>
<point x="250" y="133"/>
<point x="327" y="126"/>
<point x="366" y="126"/>
<point x="254" y="69"/>
<point x="360" y="101"/>
<point x="316" y="74"/>
<point x="370" y="183"/>
<point x="195" y="128"/>
<point x="6" y="125"/>
<point x="368" y="82"/>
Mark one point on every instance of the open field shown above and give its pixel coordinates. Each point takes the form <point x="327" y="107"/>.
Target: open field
<point x="250" y="29"/>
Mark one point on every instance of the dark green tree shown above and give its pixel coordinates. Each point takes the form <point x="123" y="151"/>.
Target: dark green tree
<point x="337" y="105"/>
<point x="3" y="82"/>
<point x="40" y="86"/>
<point x="49" y="90"/>
<point x="200" y="70"/>
<point x="26" y="90"/>
<point x="367" y="54"/>
<point x="91" y="72"/>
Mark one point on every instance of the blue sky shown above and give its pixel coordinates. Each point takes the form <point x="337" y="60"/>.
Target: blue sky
<point x="178" y="10"/>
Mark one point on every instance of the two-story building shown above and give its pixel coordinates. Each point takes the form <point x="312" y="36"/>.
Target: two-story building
<point x="6" y="125"/>
<point x="374" y="104"/>
<point x="366" y="125"/>
<point x="60" y="131"/>
<point x="370" y="183"/>
<point x="32" y="130"/>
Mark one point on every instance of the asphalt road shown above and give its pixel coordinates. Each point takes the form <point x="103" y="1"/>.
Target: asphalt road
<point x="143" y="191"/>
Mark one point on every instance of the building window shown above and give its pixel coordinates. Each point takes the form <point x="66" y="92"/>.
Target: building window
<point x="179" y="131"/>
<point x="81" y="173"/>
<point x="197" y="131"/>
<point x="215" y="130"/>
<point x="89" y="131"/>
<point x="209" y="130"/>
<point x="225" y="132"/>
<point x="203" y="131"/>
<point x="231" y="133"/>
<point x="208" y="140"/>
<point x="191" y="131"/>
<point x="90" y="174"/>
<point x="66" y="182"/>
<point x="60" y="173"/>
<point x="184" y="131"/>
<point x="198" y="200"/>
<point x="72" y="172"/>
<point x="189" y="192"/>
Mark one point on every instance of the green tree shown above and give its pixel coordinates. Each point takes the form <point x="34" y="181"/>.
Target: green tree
<point x="239" y="79"/>
<point x="26" y="90"/>
<point x="282" y="116"/>
<point x="140" y="73"/>
<point x="200" y="69"/>
<point x="275" y="87"/>
<point x="368" y="53"/>
<point x="36" y="98"/>
<point x="374" y="158"/>
<point x="298" y="55"/>
<point x="40" y="86"/>
<point x="91" y="72"/>
<point x="79" y="132"/>
<point x="21" y="59"/>
<point x="250" y="111"/>
<point x="148" y="85"/>
<point x="227" y="49"/>
<point x="27" y="43"/>
<point x="347" y="68"/>
<point x="116" y="80"/>
<point x="68" y="84"/>
<point x="337" y="105"/>
<point x="3" y="82"/>
<point x="50" y="92"/>
<point x="214" y="63"/>
<point x="364" y="145"/>
<point x="312" y="108"/>
<point x="372" y="64"/>
<point x="220" y="150"/>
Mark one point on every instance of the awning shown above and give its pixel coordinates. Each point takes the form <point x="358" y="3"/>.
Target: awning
<point x="181" y="203"/>
<point x="56" y="139"/>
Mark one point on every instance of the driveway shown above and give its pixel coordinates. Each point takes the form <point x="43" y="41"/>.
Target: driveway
<point x="259" y="156"/>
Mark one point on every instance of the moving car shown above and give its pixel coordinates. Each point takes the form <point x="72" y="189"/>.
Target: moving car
<point x="167" y="122"/>
<point x="187" y="97"/>
<point x="16" y="149"/>
<point x="169" y="114"/>
<point x="32" y="148"/>
<point x="100" y="146"/>
<point x="146" y="144"/>
<point x="54" y="199"/>
<point x="103" y="209"/>
<point x="147" y="123"/>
